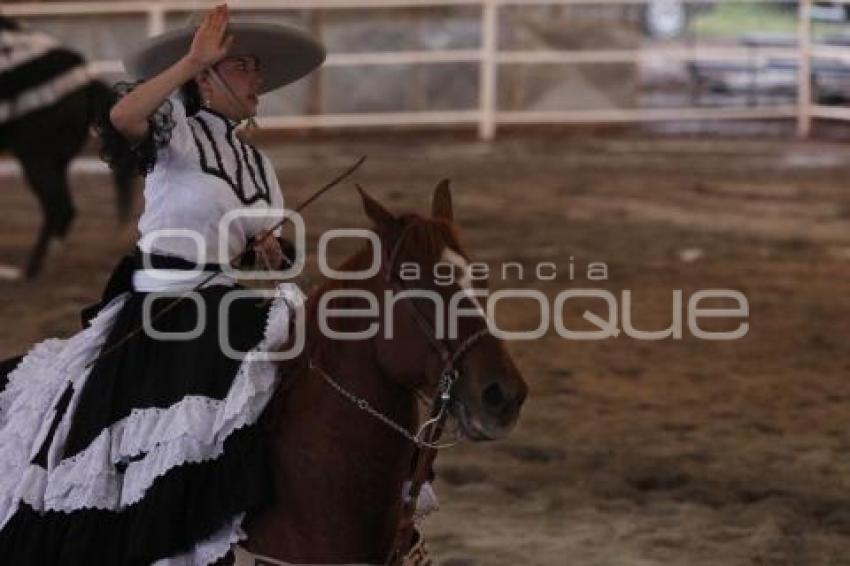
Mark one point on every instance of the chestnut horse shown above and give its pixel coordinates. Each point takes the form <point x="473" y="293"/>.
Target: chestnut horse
<point x="340" y="470"/>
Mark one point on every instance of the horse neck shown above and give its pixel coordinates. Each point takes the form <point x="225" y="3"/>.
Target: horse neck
<point x="353" y="366"/>
<point x="339" y="469"/>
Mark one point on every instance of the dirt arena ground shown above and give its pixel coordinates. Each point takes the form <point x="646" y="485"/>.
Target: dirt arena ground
<point x="629" y="453"/>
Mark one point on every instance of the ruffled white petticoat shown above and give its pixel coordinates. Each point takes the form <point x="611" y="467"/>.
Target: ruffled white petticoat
<point x="190" y="431"/>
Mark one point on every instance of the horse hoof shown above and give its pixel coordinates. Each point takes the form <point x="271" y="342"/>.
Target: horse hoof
<point x="10" y="273"/>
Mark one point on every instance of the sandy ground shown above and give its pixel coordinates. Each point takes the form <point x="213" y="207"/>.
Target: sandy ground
<point x="636" y="453"/>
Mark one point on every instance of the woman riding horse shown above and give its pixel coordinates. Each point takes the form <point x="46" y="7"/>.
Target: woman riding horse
<point x="119" y="446"/>
<point x="139" y="440"/>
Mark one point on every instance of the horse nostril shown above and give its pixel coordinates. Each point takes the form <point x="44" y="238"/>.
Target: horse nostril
<point x="493" y="396"/>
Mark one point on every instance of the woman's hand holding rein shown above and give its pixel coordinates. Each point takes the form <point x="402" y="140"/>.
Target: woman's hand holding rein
<point x="209" y="46"/>
<point x="268" y="251"/>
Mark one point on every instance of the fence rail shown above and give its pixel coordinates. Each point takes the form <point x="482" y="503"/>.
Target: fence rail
<point x="490" y="59"/>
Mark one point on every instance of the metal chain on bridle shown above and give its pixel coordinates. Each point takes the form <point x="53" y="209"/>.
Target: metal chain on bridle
<point x="449" y="374"/>
<point x="367" y="407"/>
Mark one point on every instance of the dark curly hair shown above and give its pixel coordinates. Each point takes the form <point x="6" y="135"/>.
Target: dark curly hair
<point x="190" y="93"/>
<point x="140" y="157"/>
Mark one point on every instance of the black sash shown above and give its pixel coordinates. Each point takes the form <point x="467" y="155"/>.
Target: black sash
<point x="121" y="279"/>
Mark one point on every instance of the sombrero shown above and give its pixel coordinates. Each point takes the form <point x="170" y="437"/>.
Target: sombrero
<point x="286" y="53"/>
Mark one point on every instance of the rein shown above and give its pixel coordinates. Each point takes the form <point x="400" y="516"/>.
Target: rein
<point x="419" y="439"/>
<point x="427" y="438"/>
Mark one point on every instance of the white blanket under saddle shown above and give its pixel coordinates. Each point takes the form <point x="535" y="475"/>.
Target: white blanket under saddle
<point x="31" y="78"/>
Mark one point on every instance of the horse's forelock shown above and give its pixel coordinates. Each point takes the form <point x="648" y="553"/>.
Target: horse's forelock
<point x="426" y="239"/>
<point x="423" y="242"/>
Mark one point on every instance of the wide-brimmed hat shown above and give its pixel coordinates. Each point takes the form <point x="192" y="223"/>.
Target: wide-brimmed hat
<point x="286" y="53"/>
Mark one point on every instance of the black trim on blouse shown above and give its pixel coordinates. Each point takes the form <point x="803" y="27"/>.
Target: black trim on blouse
<point x="239" y="149"/>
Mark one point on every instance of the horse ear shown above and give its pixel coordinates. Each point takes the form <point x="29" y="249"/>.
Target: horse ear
<point x="441" y="206"/>
<point x="375" y="211"/>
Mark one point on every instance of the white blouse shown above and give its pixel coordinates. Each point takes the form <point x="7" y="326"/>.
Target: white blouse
<point x="204" y="174"/>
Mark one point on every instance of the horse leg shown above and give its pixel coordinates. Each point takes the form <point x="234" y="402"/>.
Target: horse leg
<point x="48" y="178"/>
<point x="39" y="250"/>
<point x="64" y="204"/>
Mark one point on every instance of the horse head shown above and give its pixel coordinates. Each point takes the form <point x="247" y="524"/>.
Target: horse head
<point x="435" y="324"/>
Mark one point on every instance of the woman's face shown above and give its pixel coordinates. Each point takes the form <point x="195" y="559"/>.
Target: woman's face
<point x="242" y="74"/>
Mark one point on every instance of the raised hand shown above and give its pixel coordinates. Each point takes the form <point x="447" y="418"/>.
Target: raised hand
<point x="210" y="44"/>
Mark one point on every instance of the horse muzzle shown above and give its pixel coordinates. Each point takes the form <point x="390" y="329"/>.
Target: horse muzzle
<point x="491" y="414"/>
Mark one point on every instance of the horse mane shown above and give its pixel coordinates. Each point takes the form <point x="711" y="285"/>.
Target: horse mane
<point x="424" y="240"/>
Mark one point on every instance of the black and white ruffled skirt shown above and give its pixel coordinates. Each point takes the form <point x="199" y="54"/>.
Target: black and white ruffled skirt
<point x="153" y="455"/>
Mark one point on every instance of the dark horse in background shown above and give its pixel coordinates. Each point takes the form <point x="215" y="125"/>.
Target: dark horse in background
<point x="46" y="140"/>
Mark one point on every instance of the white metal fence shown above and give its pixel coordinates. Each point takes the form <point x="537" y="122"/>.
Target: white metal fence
<point x="490" y="60"/>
